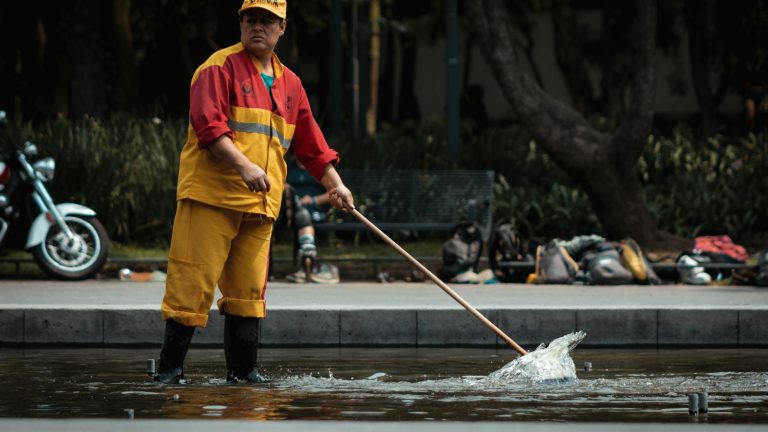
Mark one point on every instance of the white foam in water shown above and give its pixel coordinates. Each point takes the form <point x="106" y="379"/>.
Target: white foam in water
<point x="547" y="364"/>
<point x="550" y="364"/>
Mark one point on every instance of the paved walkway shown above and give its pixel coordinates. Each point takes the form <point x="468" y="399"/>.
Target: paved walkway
<point x="112" y="312"/>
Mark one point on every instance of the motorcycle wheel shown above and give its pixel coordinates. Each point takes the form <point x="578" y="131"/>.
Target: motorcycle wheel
<point x="79" y="259"/>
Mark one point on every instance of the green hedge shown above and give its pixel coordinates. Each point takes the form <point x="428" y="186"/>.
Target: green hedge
<point x="719" y="186"/>
<point x="126" y="169"/>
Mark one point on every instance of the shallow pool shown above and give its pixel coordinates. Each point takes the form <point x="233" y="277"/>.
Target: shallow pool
<point x="388" y="384"/>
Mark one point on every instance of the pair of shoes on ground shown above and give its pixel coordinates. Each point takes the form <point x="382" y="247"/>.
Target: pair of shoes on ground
<point x="324" y="273"/>
<point x="470" y="277"/>
<point x="691" y="272"/>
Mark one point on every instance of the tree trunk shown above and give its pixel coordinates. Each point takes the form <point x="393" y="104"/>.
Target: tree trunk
<point x="698" y="18"/>
<point x="387" y="94"/>
<point x="569" y="47"/>
<point x="617" y="64"/>
<point x="126" y="89"/>
<point x="605" y="165"/>
<point x="618" y="203"/>
<point x="88" y="95"/>
<point x="58" y="58"/>
<point x="371" y="113"/>
<point x="408" y="102"/>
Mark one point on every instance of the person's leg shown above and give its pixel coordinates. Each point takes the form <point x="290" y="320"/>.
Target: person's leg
<point x="243" y="284"/>
<point x="199" y="248"/>
<point x="305" y="233"/>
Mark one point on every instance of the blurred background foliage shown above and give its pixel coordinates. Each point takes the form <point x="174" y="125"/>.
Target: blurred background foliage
<point x="126" y="168"/>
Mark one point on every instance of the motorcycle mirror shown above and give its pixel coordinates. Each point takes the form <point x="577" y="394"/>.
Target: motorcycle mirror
<point x="30" y="149"/>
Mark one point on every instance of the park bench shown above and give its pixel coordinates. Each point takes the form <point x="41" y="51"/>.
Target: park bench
<point x="416" y="200"/>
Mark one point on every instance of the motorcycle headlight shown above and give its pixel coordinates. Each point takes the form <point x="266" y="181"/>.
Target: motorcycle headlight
<point x="44" y="169"/>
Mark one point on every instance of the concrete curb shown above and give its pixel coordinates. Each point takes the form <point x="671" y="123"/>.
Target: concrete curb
<point x="114" y="313"/>
<point x="344" y="327"/>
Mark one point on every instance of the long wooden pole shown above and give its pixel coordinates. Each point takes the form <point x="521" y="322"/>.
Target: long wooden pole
<point x="439" y="283"/>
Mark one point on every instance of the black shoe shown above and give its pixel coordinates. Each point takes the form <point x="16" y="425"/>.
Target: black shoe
<point x="241" y="341"/>
<point x="175" y="346"/>
<point x="253" y="377"/>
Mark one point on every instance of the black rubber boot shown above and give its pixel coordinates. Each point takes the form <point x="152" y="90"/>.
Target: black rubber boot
<point x="175" y="346"/>
<point x="241" y="342"/>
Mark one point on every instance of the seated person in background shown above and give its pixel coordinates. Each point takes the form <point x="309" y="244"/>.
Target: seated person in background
<point x="755" y="104"/>
<point x="762" y="267"/>
<point x="305" y="202"/>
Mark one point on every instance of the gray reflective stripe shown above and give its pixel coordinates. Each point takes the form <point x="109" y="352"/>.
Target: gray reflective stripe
<point x="260" y="129"/>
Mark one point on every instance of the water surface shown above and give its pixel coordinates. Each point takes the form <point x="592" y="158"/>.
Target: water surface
<point x="388" y="384"/>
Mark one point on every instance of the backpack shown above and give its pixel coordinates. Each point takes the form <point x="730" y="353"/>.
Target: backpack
<point x="603" y="266"/>
<point x="462" y="251"/>
<point x="720" y="249"/>
<point x="554" y="265"/>
<point x="634" y="260"/>
<point x="504" y="246"/>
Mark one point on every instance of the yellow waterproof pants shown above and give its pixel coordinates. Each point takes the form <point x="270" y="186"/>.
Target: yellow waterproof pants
<point x="209" y="246"/>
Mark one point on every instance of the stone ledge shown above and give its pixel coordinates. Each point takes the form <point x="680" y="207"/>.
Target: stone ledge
<point x="402" y="327"/>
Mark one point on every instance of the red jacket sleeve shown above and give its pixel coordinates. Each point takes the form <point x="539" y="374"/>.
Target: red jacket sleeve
<point x="308" y="144"/>
<point x="209" y="104"/>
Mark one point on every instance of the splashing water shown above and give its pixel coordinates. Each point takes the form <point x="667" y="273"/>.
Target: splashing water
<point x="547" y="364"/>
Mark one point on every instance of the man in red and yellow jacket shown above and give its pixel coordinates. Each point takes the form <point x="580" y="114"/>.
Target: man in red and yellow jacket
<point x="247" y="111"/>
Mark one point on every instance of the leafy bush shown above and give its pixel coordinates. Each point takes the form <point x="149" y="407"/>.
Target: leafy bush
<point x="719" y="186"/>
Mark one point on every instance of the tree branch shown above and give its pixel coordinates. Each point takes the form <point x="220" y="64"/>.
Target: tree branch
<point x="558" y="128"/>
<point x="569" y="51"/>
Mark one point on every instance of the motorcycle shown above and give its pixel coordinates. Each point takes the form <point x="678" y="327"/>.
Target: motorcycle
<point x="66" y="240"/>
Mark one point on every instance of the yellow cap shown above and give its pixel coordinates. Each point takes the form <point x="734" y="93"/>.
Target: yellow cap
<point x="277" y="7"/>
